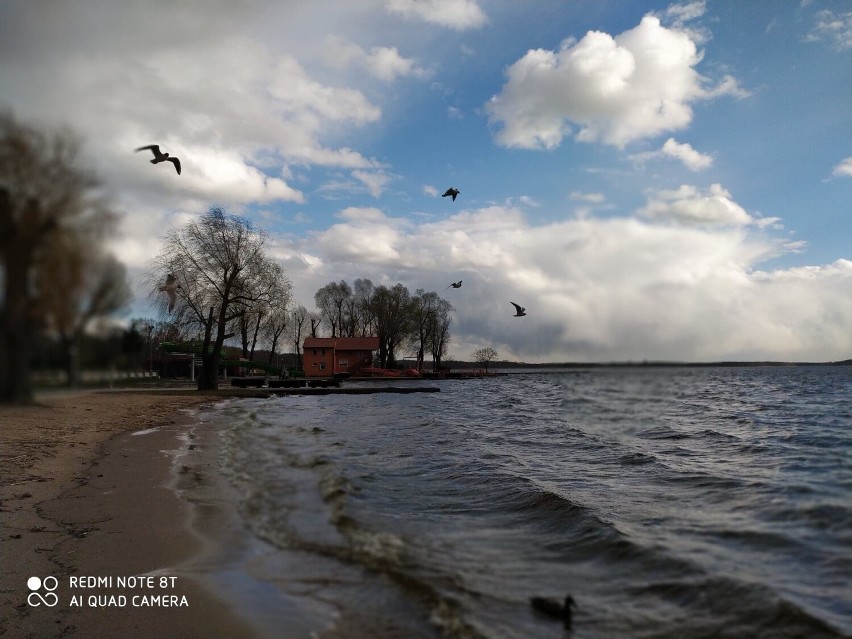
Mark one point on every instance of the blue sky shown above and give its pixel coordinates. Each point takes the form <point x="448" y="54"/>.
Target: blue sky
<point x="651" y="180"/>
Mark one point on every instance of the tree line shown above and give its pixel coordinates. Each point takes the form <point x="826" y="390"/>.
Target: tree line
<point x="229" y="288"/>
<point x="398" y="318"/>
<point x="58" y="277"/>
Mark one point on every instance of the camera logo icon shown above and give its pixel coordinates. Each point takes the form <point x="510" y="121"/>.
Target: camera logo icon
<point x="36" y="598"/>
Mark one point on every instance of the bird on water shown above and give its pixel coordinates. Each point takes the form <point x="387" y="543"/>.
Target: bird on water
<point x="451" y="191"/>
<point x="553" y="608"/>
<point x="520" y="311"/>
<point x="159" y="156"/>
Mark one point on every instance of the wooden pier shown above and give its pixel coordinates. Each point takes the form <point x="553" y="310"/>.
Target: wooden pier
<point x="263" y="387"/>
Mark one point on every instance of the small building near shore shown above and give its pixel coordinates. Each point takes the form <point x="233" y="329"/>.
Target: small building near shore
<point x="327" y="356"/>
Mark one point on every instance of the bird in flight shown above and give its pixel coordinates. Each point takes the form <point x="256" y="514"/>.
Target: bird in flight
<point x="159" y="156"/>
<point x="520" y="310"/>
<point x="451" y="191"/>
<point x="455" y="285"/>
<point x="170" y="288"/>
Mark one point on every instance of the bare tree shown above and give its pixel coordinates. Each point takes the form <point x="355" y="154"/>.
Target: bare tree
<point x="438" y="331"/>
<point x="424" y="309"/>
<point x="221" y="270"/>
<point x="363" y="318"/>
<point x="484" y="356"/>
<point x="273" y="329"/>
<point x="83" y="286"/>
<point x="276" y="319"/>
<point x="297" y="329"/>
<point x="45" y="198"/>
<point x="331" y="302"/>
<point x="390" y="307"/>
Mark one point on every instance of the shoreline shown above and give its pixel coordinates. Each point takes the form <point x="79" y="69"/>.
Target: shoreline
<point x="87" y="492"/>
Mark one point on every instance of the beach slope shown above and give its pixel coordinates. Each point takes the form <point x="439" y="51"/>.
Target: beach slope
<point x="86" y="507"/>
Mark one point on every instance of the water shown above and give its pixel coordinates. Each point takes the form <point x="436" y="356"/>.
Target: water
<point x="675" y="502"/>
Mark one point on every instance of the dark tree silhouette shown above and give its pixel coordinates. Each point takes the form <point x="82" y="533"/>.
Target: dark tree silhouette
<point x="222" y="272"/>
<point x="52" y="221"/>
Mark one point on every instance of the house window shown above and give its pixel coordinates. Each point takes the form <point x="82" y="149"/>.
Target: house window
<point x="314" y="364"/>
<point x="315" y="351"/>
<point x="344" y="363"/>
<point x="322" y="366"/>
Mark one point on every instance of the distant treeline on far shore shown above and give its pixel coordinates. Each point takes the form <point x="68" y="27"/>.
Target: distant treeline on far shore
<point x="633" y="364"/>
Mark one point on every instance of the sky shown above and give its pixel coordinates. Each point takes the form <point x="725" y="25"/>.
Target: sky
<point x="652" y="181"/>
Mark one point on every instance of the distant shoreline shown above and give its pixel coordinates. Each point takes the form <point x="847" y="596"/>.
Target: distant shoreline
<point x="644" y="364"/>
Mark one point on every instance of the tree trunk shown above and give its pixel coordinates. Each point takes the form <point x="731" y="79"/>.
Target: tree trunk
<point x="254" y="338"/>
<point x="209" y="377"/>
<point x="16" y="328"/>
<point x="71" y="347"/>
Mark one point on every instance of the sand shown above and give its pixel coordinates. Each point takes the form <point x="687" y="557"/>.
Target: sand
<point x="83" y="497"/>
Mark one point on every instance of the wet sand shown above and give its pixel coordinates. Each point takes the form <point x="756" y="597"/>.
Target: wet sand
<point x="82" y="497"/>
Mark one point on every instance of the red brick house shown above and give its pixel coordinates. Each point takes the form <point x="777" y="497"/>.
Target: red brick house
<point x="325" y="356"/>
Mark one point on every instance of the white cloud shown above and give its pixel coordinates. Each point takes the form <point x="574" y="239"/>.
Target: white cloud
<point x="385" y="63"/>
<point x="365" y="236"/>
<point x="689" y="205"/>
<point x="692" y="159"/>
<point x="844" y="168"/>
<point x="588" y="198"/>
<point x="680" y="14"/>
<point x="596" y="289"/>
<point x="834" y="27"/>
<point x="612" y="89"/>
<point x="375" y="181"/>
<point x="226" y="104"/>
<point x="456" y="14"/>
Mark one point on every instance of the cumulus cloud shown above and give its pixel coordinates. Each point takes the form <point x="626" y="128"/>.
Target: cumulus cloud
<point x="692" y="159"/>
<point x="596" y="289"/>
<point x="844" y="168"/>
<point x="689" y="205"/>
<point x="385" y="63"/>
<point x="455" y="14"/>
<point x="365" y="236"/>
<point x="832" y="26"/>
<point x="602" y="88"/>
<point x="224" y="103"/>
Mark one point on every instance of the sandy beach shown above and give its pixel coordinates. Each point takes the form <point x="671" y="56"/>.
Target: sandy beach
<point x="89" y="507"/>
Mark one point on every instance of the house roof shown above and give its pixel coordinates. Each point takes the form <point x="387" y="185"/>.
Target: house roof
<point x="317" y="342"/>
<point x="343" y="343"/>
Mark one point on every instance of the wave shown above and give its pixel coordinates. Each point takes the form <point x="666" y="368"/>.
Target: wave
<point x="724" y="607"/>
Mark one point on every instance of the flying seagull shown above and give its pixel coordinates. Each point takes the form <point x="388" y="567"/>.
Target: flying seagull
<point x="159" y="156"/>
<point x="554" y="608"/>
<point x="451" y="191"/>
<point x="455" y="285"/>
<point x="170" y="287"/>
<point x="520" y="310"/>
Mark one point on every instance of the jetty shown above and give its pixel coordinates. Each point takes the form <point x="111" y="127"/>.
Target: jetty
<point x="261" y="386"/>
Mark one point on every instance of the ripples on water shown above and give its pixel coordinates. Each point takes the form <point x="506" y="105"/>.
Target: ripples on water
<point x="692" y="502"/>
